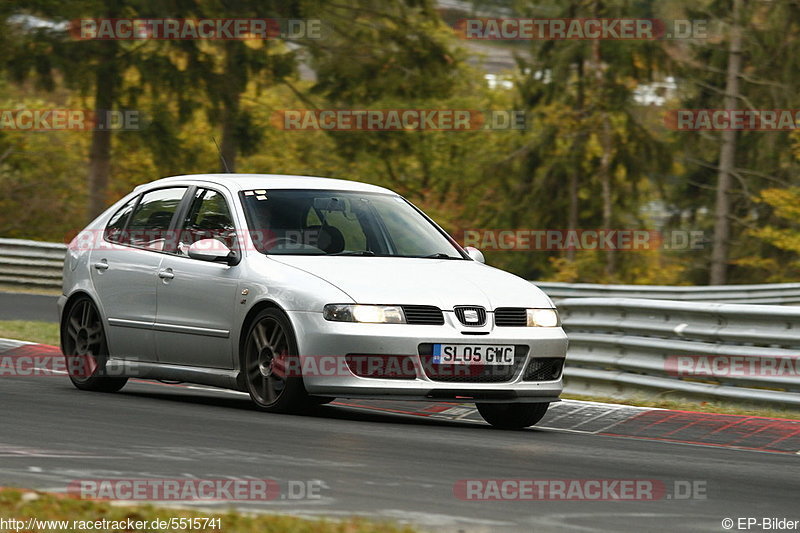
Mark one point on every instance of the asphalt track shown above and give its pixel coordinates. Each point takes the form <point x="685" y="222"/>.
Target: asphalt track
<point x="24" y="306"/>
<point x="399" y="461"/>
<point x="395" y="460"/>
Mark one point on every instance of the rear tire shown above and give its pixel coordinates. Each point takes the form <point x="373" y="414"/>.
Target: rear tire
<point x="83" y="343"/>
<point x="270" y="349"/>
<point x="512" y="415"/>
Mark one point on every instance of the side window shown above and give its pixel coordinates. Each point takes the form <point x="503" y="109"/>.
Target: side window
<point x="150" y="221"/>
<point x="116" y="225"/>
<point x="208" y="218"/>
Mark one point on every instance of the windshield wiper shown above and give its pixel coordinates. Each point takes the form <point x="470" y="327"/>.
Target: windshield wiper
<point x="360" y="252"/>
<point x="372" y="254"/>
<point x="438" y="256"/>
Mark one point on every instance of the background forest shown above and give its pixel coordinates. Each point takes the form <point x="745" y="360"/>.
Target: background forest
<point x="596" y="152"/>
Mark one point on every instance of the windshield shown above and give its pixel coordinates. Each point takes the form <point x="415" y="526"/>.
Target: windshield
<point x="316" y="222"/>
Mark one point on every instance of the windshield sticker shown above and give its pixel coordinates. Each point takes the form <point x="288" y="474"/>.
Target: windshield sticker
<point x="260" y="194"/>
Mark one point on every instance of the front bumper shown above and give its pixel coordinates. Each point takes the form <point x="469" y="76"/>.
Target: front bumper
<point x="319" y="338"/>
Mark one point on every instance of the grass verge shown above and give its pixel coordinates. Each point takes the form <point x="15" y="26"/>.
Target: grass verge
<point x="31" y="331"/>
<point x="24" y="505"/>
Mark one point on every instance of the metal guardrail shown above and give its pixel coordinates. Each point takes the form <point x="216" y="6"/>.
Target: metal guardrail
<point x="772" y="293"/>
<point x="31" y="263"/>
<point x="25" y="262"/>
<point x="625" y="347"/>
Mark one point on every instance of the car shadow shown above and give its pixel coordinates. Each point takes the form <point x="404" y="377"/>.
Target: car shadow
<point x="330" y="411"/>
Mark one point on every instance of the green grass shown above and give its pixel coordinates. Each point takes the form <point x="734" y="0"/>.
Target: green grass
<point x="31" y="331"/>
<point x="22" y="505"/>
<point x="698" y="406"/>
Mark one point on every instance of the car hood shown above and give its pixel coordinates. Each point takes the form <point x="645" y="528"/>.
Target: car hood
<point x="411" y="281"/>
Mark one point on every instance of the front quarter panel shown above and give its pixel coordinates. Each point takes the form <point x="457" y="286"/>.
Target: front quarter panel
<point x="266" y="281"/>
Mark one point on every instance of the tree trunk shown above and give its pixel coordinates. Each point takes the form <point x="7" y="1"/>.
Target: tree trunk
<point x="575" y="175"/>
<point x="229" y="147"/>
<point x="230" y="112"/>
<point x="606" y="142"/>
<point x="727" y="157"/>
<point x="605" y="180"/>
<point x="572" y="214"/>
<point x="100" y="150"/>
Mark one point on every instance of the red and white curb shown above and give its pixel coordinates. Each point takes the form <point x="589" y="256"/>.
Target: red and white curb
<point x="7" y="345"/>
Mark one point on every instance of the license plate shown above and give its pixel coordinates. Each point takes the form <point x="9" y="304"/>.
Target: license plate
<point x="473" y="354"/>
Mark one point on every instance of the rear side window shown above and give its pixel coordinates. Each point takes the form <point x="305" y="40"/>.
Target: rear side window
<point x="115" y="230"/>
<point x="150" y="222"/>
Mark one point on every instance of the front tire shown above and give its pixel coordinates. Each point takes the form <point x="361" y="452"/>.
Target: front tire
<point x="271" y="366"/>
<point x="512" y="415"/>
<point x="85" y="349"/>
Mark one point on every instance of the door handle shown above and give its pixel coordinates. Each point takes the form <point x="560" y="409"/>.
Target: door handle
<point x="166" y="274"/>
<point x="101" y="265"/>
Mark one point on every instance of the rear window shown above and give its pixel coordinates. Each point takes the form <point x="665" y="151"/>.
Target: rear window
<point x="115" y="230"/>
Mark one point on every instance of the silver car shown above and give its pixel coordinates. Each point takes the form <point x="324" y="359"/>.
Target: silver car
<point x="299" y="290"/>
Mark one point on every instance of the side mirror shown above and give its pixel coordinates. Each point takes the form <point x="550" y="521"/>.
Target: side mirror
<point x="210" y="250"/>
<point x="475" y="254"/>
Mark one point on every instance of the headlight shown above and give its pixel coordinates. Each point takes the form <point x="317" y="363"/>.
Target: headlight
<point x="375" y="314"/>
<point x="544" y="318"/>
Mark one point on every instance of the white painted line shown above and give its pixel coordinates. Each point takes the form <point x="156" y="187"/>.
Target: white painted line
<point x="601" y="415"/>
<point x="576" y="410"/>
<point x="638" y="407"/>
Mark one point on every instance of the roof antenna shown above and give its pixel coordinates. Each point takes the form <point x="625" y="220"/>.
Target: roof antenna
<point x="224" y="163"/>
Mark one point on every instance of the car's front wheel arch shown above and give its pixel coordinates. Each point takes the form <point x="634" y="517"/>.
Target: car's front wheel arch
<point x="251" y="315"/>
<point x="269" y="360"/>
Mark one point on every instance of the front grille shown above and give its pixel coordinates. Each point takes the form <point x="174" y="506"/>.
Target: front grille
<point x="478" y="312"/>
<point x="543" y="369"/>
<point x="378" y="366"/>
<point x="471" y="373"/>
<point x="510" y="316"/>
<point x="423" y="314"/>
